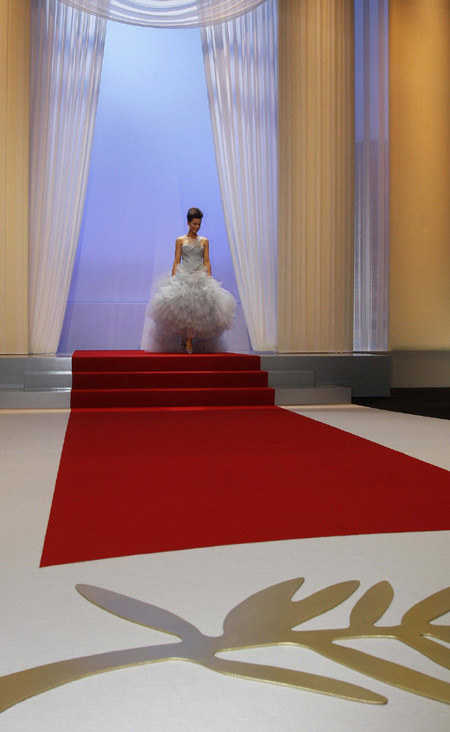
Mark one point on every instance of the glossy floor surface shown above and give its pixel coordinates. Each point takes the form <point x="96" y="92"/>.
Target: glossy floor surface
<point x="44" y="619"/>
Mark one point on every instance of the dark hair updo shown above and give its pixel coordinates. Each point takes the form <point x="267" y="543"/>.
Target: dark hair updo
<point x="194" y="213"/>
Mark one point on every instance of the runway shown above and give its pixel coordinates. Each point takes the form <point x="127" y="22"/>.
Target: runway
<point x="45" y="620"/>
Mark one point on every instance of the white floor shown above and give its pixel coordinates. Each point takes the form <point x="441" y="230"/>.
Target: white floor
<point x="421" y="437"/>
<point x="44" y="619"/>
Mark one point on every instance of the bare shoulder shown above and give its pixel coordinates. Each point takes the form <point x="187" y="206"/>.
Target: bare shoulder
<point x="205" y="241"/>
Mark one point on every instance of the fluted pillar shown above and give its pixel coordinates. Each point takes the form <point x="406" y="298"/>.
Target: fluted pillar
<point x="316" y="175"/>
<point x="419" y="312"/>
<point x="14" y="140"/>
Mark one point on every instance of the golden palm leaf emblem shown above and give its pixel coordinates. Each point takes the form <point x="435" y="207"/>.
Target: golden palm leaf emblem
<point x="268" y="618"/>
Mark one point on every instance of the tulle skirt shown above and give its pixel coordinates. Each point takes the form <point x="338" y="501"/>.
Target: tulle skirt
<point x="189" y="304"/>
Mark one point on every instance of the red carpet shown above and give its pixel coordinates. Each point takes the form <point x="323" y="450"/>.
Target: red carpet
<point x="137" y="379"/>
<point x="152" y="480"/>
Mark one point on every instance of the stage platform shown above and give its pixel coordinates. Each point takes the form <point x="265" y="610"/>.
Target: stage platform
<point x="44" y="382"/>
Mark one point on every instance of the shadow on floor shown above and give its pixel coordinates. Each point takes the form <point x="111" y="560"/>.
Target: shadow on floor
<point x="425" y="402"/>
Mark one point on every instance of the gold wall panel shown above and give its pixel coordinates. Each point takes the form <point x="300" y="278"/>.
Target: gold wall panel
<point x="14" y="140"/>
<point x="419" y="79"/>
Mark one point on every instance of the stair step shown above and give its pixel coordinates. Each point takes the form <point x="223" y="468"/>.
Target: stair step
<point x="315" y="395"/>
<point x="104" y="398"/>
<point x="19" y="399"/>
<point x="167" y="379"/>
<point x="142" y="361"/>
<point x="292" y="379"/>
<point x="46" y="380"/>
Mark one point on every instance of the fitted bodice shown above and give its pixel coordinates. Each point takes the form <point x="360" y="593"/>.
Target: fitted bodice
<point x="188" y="304"/>
<point x="192" y="254"/>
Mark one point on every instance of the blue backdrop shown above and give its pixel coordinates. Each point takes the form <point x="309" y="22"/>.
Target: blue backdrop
<point x="152" y="158"/>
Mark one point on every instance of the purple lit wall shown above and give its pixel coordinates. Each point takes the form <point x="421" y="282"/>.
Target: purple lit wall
<point x="152" y="158"/>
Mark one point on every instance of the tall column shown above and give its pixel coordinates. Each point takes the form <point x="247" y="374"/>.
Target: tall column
<point x="419" y="311"/>
<point x="316" y="175"/>
<point x="14" y="112"/>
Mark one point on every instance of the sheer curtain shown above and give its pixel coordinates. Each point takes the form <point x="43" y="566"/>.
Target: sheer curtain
<point x="371" y="176"/>
<point x="166" y="13"/>
<point x="66" y="60"/>
<point x="241" y="73"/>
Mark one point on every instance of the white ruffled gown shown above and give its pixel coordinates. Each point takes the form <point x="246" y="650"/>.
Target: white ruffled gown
<point x="189" y="303"/>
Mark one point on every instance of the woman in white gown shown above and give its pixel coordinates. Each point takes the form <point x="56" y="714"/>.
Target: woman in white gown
<point x="190" y="304"/>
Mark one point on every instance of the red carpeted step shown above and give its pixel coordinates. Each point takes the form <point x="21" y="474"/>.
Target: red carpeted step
<point x="114" y="379"/>
<point x="116" y="398"/>
<point x="167" y="379"/>
<point x="143" y="361"/>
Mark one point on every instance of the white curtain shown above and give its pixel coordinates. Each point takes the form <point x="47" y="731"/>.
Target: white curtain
<point x="371" y="176"/>
<point x="241" y="73"/>
<point x="66" y="60"/>
<point x="166" y="13"/>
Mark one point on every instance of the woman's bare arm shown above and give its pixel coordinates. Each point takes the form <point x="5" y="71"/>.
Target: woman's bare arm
<point x="177" y="259"/>
<point x="206" y="261"/>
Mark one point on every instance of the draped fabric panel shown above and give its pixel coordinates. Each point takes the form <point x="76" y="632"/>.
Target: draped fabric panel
<point x="316" y="176"/>
<point x="241" y="73"/>
<point x="371" y="176"/>
<point x="66" y="60"/>
<point x="166" y="13"/>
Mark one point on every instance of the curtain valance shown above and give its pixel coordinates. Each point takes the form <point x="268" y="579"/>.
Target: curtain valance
<point x="166" y="13"/>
